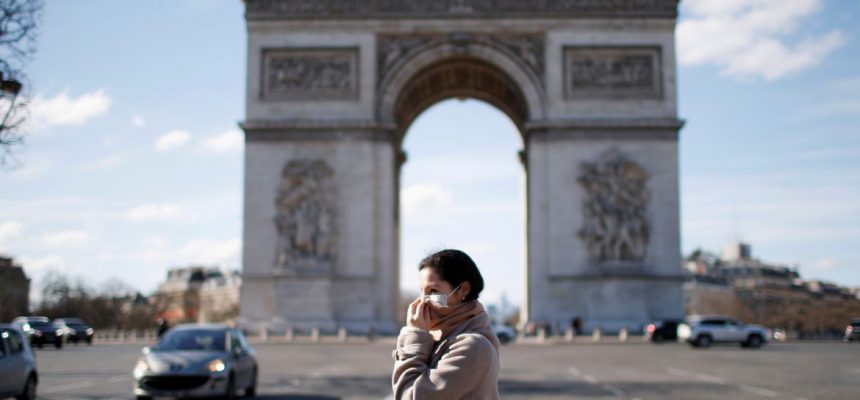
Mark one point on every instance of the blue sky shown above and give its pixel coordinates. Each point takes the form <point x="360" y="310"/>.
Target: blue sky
<point x="135" y="160"/>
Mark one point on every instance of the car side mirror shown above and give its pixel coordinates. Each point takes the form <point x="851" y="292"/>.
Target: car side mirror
<point x="146" y="350"/>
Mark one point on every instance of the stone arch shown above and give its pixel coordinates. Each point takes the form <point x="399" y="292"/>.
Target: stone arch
<point x="495" y="77"/>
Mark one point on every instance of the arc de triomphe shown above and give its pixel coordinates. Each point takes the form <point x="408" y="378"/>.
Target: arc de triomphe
<point x="332" y="87"/>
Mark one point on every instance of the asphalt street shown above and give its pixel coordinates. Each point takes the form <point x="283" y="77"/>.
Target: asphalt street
<point x="529" y="371"/>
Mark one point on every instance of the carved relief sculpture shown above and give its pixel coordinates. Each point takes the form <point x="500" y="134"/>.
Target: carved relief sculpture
<point x="305" y="219"/>
<point x="616" y="228"/>
<point x="613" y="72"/>
<point x="525" y="48"/>
<point x="310" y="74"/>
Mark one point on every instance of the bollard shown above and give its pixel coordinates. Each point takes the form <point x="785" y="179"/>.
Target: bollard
<point x="315" y="335"/>
<point x="542" y="334"/>
<point x="568" y="334"/>
<point x="371" y="334"/>
<point x="289" y="334"/>
<point x="622" y="335"/>
<point x="342" y="334"/>
<point x="596" y="334"/>
<point x="264" y="334"/>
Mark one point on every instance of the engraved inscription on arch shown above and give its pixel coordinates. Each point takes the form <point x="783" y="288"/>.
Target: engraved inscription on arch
<point x="612" y="72"/>
<point x="310" y="74"/>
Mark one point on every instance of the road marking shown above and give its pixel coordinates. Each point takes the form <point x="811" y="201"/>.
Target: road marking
<point x="590" y="379"/>
<point x="759" y="391"/>
<point x="574" y="371"/>
<point x="614" y="390"/>
<point x="715" y="379"/>
<point x="70" y="386"/>
<point x="710" y="378"/>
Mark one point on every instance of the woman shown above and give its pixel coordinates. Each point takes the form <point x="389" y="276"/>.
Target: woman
<point x="447" y="349"/>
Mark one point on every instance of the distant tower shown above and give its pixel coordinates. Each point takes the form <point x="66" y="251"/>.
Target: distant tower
<point x="736" y="251"/>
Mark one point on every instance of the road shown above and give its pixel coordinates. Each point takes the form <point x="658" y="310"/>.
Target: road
<point x="529" y="371"/>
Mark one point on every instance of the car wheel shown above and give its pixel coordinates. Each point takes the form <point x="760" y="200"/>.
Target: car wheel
<point x="143" y="397"/>
<point x="703" y="341"/>
<point x="658" y="338"/>
<point x="89" y="341"/>
<point x="29" y="392"/>
<point x="230" y="392"/>
<point x="58" y="345"/>
<point x="251" y="391"/>
<point x="754" y="342"/>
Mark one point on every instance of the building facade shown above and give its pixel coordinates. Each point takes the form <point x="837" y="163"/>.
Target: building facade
<point x="14" y="290"/>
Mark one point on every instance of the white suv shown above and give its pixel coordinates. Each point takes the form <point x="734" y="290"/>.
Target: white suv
<point x="702" y="331"/>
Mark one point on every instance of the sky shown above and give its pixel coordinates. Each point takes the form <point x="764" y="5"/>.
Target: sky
<point x="134" y="160"/>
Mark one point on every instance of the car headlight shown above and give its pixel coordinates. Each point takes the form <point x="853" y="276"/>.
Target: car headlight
<point x="140" y="368"/>
<point x="216" y="366"/>
<point x="90" y="331"/>
<point x="59" y="332"/>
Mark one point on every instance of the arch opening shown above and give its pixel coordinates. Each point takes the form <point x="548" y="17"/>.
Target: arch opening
<point x="459" y="77"/>
<point x="451" y="195"/>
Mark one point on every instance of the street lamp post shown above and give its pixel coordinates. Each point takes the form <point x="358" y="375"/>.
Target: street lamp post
<point x="8" y="88"/>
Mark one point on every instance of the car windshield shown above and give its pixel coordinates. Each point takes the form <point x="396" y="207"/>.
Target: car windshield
<point x="39" y="324"/>
<point x="193" y="340"/>
<point x="76" y="325"/>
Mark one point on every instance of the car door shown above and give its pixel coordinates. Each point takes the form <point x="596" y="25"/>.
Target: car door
<point x="13" y="366"/>
<point x="717" y="329"/>
<point x="241" y="359"/>
<point x="735" y="331"/>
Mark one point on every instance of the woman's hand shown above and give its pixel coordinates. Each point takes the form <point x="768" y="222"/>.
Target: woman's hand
<point x="418" y="314"/>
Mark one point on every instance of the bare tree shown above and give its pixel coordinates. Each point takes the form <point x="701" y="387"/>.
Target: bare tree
<point x="18" y="22"/>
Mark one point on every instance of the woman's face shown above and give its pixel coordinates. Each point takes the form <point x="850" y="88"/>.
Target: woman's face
<point x="430" y="283"/>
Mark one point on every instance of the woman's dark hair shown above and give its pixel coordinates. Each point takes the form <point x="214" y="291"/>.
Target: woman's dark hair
<point x="455" y="267"/>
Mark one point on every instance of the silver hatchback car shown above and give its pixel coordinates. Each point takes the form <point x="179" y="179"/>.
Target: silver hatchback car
<point x="194" y="360"/>
<point x="18" y="377"/>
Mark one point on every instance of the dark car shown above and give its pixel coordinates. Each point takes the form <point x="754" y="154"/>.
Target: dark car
<point x="661" y="331"/>
<point x="852" y="331"/>
<point x="40" y="331"/>
<point x="194" y="360"/>
<point x="75" y="330"/>
<point x="18" y="377"/>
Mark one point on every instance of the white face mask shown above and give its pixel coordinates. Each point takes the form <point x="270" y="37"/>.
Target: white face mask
<point x="441" y="299"/>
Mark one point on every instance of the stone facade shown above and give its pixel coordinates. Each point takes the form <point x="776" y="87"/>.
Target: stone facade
<point x="332" y="88"/>
<point x="14" y="290"/>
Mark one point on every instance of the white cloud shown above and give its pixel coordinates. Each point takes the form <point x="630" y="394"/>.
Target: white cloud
<point x="64" y="110"/>
<point x="420" y="198"/>
<point x="172" y="140"/>
<point x="208" y="251"/>
<point x="74" y="238"/>
<point x="199" y="251"/>
<point x="149" y="212"/>
<point x="104" y="163"/>
<point x="32" y="168"/>
<point x="749" y="37"/>
<point x="225" y="142"/>
<point x="826" y="264"/>
<point x="10" y="231"/>
<point x="138" y="121"/>
<point x="39" y="265"/>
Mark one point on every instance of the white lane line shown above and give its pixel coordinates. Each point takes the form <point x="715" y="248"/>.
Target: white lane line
<point x="574" y="372"/>
<point x="590" y="379"/>
<point x="70" y="386"/>
<point x="715" y="379"/>
<point x="710" y="378"/>
<point x="614" y="390"/>
<point x="759" y="391"/>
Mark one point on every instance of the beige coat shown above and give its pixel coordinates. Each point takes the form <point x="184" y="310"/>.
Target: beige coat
<point x="464" y="365"/>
